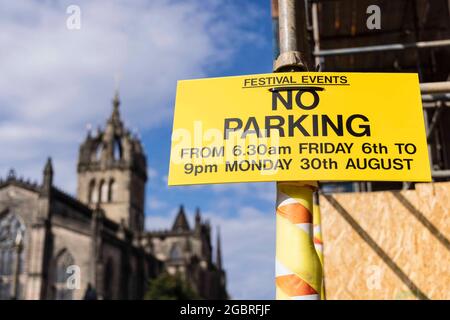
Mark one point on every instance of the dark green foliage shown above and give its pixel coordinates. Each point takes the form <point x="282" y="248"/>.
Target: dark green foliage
<point x="168" y="287"/>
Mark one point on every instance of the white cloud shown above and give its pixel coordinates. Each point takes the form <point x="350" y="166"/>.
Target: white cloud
<point x="152" y="173"/>
<point x="54" y="80"/>
<point x="156" y="204"/>
<point x="161" y="222"/>
<point x="260" y="191"/>
<point x="229" y="194"/>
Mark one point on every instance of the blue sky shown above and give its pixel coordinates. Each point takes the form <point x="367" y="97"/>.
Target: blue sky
<point x="55" y="81"/>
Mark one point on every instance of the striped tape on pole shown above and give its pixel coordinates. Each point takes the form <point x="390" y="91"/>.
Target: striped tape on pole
<point x="317" y="228"/>
<point x="298" y="268"/>
<point x="317" y="236"/>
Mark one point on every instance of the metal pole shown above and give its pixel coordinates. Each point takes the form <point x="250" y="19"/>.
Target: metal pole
<point x="435" y="87"/>
<point x="385" y="47"/>
<point x="288" y="28"/>
<point x="427" y="129"/>
<point x="428" y="105"/>
<point x="435" y="96"/>
<point x="290" y="58"/>
<point x="298" y="267"/>
<point x="434" y="121"/>
<point x="316" y="34"/>
<point x="440" y="173"/>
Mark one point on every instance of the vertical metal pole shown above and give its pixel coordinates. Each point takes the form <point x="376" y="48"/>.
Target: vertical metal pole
<point x="288" y="27"/>
<point x="290" y="58"/>
<point x="427" y="129"/>
<point x="317" y="233"/>
<point x="316" y="36"/>
<point x="298" y="267"/>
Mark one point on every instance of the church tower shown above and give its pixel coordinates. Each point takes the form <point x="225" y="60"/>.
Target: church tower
<point x="112" y="172"/>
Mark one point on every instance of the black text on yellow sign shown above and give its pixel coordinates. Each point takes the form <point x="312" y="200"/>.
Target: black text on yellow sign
<point x="299" y="126"/>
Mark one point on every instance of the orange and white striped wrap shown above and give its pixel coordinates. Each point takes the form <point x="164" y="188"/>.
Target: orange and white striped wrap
<point x="298" y="268"/>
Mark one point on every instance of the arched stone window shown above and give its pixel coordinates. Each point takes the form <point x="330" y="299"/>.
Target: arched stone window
<point x="103" y="191"/>
<point x="176" y="253"/>
<point x="98" y="152"/>
<point x="108" y="280"/>
<point x="117" y="149"/>
<point x="92" y="194"/>
<point x="64" y="260"/>
<point x="111" y="190"/>
<point x="12" y="256"/>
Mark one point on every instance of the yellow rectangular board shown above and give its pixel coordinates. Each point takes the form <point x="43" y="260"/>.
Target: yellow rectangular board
<point x="299" y="126"/>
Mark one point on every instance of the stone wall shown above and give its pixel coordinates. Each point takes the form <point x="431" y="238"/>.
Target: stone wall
<point x="78" y="245"/>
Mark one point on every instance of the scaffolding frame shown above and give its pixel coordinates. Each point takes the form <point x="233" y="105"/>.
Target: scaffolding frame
<point x="435" y="95"/>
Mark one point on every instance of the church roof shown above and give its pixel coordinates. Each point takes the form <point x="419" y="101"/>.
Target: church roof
<point x="12" y="179"/>
<point x="56" y="195"/>
<point x="181" y="223"/>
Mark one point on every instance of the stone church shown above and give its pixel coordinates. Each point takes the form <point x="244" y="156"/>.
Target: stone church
<point x="56" y="246"/>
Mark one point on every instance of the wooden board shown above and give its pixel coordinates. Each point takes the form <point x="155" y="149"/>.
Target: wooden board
<point x="387" y="245"/>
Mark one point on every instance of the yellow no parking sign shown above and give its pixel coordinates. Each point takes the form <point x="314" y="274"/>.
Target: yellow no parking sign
<point x="299" y="126"/>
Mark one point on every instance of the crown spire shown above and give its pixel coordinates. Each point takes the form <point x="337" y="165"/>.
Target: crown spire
<point x="116" y="103"/>
<point x="219" y="251"/>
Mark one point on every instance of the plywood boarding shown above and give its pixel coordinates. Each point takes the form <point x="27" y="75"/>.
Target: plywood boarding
<point x="388" y="245"/>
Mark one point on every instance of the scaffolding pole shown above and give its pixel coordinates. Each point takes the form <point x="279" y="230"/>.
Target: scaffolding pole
<point x="435" y="87"/>
<point x="441" y="173"/>
<point x="434" y="94"/>
<point x="316" y="35"/>
<point x="385" y="47"/>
